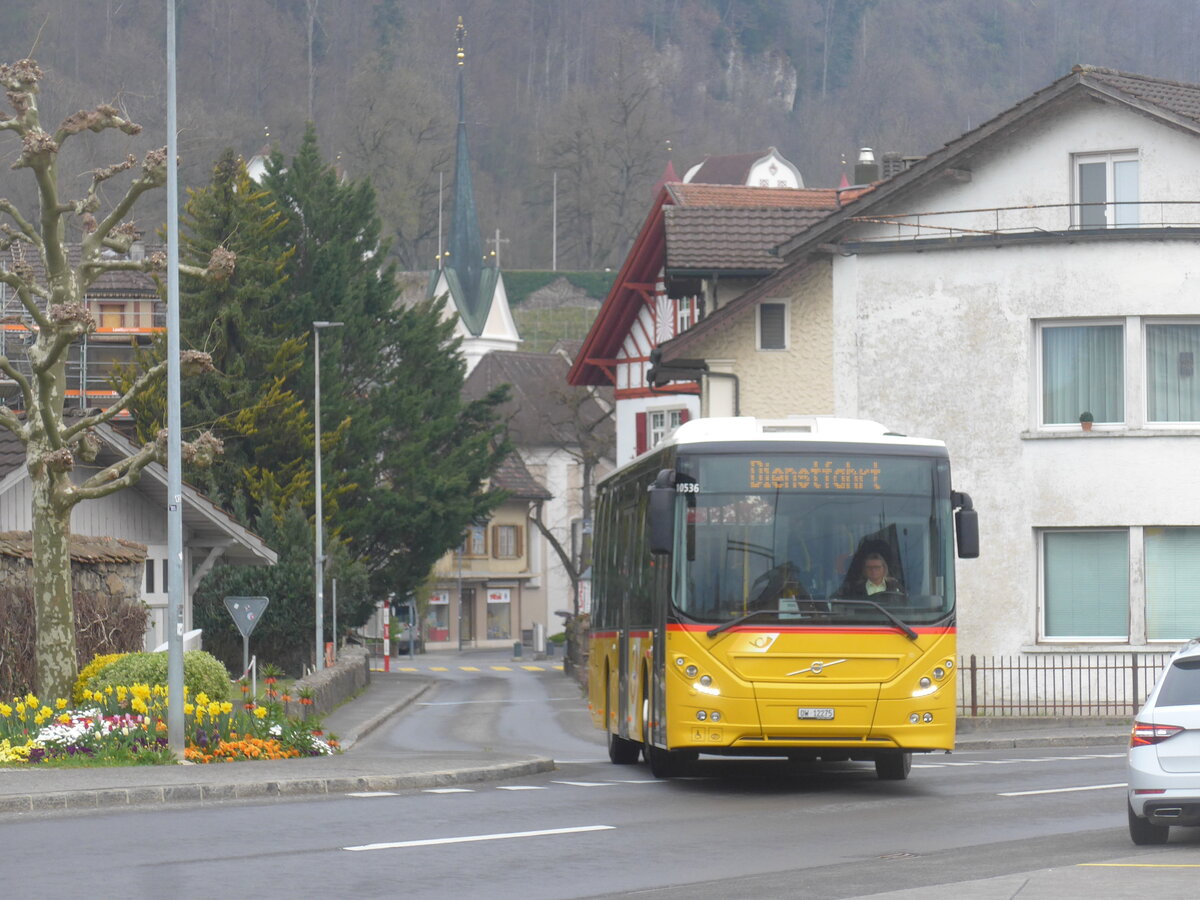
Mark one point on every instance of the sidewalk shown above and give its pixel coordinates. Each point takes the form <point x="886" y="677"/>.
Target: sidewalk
<point x="30" y="789"/>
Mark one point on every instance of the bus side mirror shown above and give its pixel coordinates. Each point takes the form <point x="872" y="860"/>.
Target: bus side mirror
<point x="966" y="525"/>
<point x="662" y="513"/>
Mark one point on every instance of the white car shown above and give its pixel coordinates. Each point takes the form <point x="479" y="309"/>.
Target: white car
<point x="1164" y="752"/>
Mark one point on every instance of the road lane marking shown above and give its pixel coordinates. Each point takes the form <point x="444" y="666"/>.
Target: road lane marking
<point x="1090" y="787"/>
<point x="447" y="791"/>
<point x="501" y="668"/>
<point x="468" y="668"/>
<point x="520" y="787"/>
<point x="1140" y="865"/>
<point x="373" y="794"/>
<point x="585" y="783"/>
<point x="432" y="842"/>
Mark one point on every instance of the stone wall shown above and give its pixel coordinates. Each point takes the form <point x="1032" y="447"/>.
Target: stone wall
<point x="332" y="686"/>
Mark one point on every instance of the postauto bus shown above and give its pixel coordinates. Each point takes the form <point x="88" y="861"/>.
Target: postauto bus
<point x="778" y="588"/>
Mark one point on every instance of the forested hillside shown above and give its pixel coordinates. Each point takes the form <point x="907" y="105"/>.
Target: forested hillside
<point x="593" y="90"/>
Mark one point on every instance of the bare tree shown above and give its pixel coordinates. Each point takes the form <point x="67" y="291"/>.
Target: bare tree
<point x="56" y="314"/>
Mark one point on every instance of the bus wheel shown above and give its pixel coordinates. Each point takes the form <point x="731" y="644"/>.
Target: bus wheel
<point x="623" y="751"/>
<point x="668" y="763"/>
<point x="893" y="766"/>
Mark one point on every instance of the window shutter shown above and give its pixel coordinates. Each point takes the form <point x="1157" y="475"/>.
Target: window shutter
<point x="518" y="540"/>
<point x="496" y="541"/>
<point x="683" y="415"/>
<point x="640" y="445"/>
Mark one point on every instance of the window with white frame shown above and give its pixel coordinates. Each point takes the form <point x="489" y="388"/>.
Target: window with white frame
<point x="1083" y="370"/>
<point x="772" y="326"/>
<point x="1093" y="365"/>
<point x="1085" y="585"/>
<point x="1106" y="189"/>
<point x="1172" y="392"/>
<point x="662" y="422"/>
<point x="1088" y="594"/>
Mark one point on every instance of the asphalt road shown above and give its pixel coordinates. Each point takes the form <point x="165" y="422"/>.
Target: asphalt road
<point x="995" y="823"/>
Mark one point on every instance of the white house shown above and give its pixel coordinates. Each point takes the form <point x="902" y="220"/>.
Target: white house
<point x="1037" y="268"/>
<point x="138" y="513"/>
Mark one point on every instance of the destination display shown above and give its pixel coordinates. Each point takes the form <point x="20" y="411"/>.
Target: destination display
<point x="843" y="474"/>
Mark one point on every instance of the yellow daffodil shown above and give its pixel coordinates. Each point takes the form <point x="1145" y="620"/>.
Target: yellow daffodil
<point x="5" y="710"/>
<point x="138" y="705"/>
<point x="61" y="703"/>
<point x="214" y="709"/>
<point x="260" y="712"/>
<point x="188" y="709"/>
<point x="31" y="701"/>
<point x="202" y="699"/>
<point x="64" y="719"/>
<point x="226" y="707"/>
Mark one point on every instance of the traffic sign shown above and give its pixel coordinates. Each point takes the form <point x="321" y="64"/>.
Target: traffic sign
<point x="246" y="612"/>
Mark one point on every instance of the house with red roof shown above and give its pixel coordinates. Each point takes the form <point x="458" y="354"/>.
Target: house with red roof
<point x="702" y="246"/>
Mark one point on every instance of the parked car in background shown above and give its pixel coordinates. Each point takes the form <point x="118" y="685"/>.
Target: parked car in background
<point x="1164" y="752"/>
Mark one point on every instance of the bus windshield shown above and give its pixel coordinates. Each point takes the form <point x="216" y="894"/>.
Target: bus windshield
<point x="814" y="538"/>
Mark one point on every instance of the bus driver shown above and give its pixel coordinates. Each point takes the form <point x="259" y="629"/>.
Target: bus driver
<point x="876" y="579"/>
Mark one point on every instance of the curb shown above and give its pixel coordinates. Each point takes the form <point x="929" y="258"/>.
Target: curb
<point x="382" y="716"/>
<point x="109" y="798"/>
<point x="1060" y="740"/>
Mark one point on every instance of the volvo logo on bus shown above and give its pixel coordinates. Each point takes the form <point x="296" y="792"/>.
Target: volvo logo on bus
<point x="816" y="668"/>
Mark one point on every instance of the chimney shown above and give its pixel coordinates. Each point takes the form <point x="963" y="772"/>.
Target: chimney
<point x="893" y="164"/>
<point x="137" y="250"/>
<point x="866" y="170"/>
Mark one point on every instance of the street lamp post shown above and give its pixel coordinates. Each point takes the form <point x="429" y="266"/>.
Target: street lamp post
<point x="319" y="557"/>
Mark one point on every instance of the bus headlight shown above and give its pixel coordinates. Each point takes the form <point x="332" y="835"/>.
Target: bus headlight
<point x="679" y="660"/>
<point x="939" y="673"/>
<point x="925" y="682"/>
<point x="928" y="717"/>
<point x="701" y="715"/>
<point x="690" y="671"/>
<point x="715" y="717"/>
<point x="914" y="718"/>
<point x="706" y="680"/>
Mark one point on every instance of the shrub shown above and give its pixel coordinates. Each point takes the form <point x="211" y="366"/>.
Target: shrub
<point x="201" y="672"/>
<point x="90" y="671"/>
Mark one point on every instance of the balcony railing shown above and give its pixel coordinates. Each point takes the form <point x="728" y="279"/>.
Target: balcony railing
<point x="1101" y="684"/>
<point x="1047" y="218"/>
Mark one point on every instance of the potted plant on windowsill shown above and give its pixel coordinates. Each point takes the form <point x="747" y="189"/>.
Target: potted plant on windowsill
<point x="1085" y="420"/>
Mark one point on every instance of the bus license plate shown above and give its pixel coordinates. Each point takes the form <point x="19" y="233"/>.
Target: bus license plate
<point x="817" y="712"/>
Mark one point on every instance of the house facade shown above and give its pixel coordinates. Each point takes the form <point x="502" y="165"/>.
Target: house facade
<point x="562" y="437"/>
<point x="138" y="514"/>
<point x="1036" y="269"/>
<point x="701" y="247"/>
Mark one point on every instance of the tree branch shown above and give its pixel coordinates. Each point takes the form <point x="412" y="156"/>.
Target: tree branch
<point x="120" y="404"/>
<point x="10" y="370"/>
<point x="120" y="474"/>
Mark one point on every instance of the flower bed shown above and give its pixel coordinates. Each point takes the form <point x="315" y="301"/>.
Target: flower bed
<point x="128" y="725"/>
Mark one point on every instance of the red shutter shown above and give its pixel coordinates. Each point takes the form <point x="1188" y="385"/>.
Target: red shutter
<point x="683" y="415"/>
<point x="640" y="443"/>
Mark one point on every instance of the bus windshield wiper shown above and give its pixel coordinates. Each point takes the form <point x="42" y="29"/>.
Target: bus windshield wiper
<point x="725" y="626"/>
<point x="891" y="617"/>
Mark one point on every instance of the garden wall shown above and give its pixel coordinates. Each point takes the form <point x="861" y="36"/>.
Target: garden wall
<point x="110" y="617"/>
<point x="332" y="686"/>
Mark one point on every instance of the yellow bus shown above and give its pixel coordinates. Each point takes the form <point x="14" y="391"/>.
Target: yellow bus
<point x="777" y="588"/>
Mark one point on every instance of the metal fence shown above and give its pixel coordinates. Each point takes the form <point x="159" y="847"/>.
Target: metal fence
<point x="1099" y="684"/>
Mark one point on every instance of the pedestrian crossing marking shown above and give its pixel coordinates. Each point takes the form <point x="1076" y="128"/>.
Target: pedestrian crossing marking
<point x="412" y="670"/>
<point x="469" y="668"/>
<point x="439" y="668"/>
<point x="532" y="668"/>
<point x="408" y="669"/>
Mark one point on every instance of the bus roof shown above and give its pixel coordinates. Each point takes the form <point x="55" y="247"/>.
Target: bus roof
<point x="822" y="429"/>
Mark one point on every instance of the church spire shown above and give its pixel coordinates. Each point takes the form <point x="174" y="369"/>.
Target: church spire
<point x="466" y="248"/>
